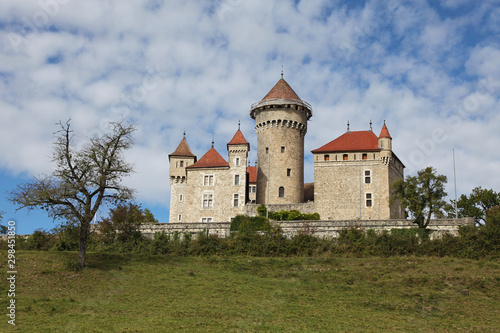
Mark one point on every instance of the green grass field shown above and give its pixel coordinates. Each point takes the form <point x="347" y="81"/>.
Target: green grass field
<point x="138" y="293"/>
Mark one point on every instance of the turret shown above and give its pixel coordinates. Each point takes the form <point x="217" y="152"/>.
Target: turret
<point x="180" y="159"/>
<point x="238" y="149"/>
<point x="385" y="142"/>
<point x="281" y="125"/>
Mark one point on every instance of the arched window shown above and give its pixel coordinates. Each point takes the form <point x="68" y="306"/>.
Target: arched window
<point x="281" y="192"/>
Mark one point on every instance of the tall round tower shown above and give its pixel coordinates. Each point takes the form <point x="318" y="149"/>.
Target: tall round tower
<point x="281" y="125"/>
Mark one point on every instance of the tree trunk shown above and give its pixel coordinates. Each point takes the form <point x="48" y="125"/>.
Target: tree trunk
<point x="428" y="217"/>
<point x="84" y="232"/>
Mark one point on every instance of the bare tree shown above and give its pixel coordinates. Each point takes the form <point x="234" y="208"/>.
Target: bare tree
<point x="84" y="179"/>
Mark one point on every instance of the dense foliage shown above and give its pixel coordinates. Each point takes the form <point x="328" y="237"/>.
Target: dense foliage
<point x="287" y="215"/>
<point x="474" y="205"/>
<point x="421" y="195"/>
<point x="256" y="237"/>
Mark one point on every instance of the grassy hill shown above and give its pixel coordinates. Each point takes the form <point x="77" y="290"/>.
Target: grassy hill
<point x="139" y="293"/>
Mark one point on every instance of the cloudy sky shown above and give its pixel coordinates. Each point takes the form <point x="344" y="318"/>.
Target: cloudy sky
<point x="430" y="69"/>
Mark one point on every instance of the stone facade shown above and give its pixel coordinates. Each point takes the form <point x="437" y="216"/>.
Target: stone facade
<point x="352" y="174"/>
<point x="355" y="188"/>
<point x="212" y="189"/>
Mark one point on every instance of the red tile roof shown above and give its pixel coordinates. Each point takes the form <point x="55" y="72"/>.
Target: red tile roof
<point x="385" y="132"/>
<point x="183" y="149"/>
<point x="211" y="159"/>
<point x="238" y="139"/>
<point x="252" y="174"/>
<point x="351" y="141"/>
<point x="281" y="90"/>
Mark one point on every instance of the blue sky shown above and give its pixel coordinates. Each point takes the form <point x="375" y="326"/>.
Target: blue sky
<point x="430" y="69"/>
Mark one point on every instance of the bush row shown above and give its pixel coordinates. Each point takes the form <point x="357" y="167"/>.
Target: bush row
<point x="472" y="242"/>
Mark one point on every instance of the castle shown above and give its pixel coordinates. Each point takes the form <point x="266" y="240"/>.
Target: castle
<point x="352" y="174"/>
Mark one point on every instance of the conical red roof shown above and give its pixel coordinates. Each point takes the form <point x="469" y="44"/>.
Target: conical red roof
<point x="183" y="149"/>
<point x="385" y="132"/>
<point x="238" y="139"/>
<point x="281" y="90"/>
<point x="211" y="159"/>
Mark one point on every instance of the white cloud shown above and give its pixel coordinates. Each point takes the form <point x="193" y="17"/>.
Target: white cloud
<point x="198" y="67"/>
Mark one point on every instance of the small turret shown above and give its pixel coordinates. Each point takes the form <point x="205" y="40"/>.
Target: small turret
<point x="180" y="159"/>
<point x="238" y="149"/>
<point x="385" y="142"/>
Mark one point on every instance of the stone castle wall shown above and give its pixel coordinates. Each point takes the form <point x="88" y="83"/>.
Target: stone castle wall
<point x="221" y="189"/>
<point x="341" y="189"/>
<point x="439" y="227"/>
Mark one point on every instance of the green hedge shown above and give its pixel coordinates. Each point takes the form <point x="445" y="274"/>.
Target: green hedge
<point x="257" y="237"/>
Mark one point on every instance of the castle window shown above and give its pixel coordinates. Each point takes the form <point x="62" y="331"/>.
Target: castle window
<point x="236" y="199"/>
<point x="208" y="180"/>
<point x="179" y="218"/>
<point x="282" y="149"/>
<point x="267" y="150"/>
<point x="182" y="164"/>
<point x="181" y="198"/>
<point x="365" y="156"/>
<point x="253" y="189"/>
<point x="355" y="157"/>
<point x="368" y="176"/>
<point x="345" y="157"/>
<point x="237" y="162"/>
<point x="368" y="197"/>
<point x="289" y="172"/>
<point x="281" y="192"/>
<point x="236" y="180"/>
<point x="208" y="200"/>
<point x="207" y="219"/>
<point x="327" y="157"/>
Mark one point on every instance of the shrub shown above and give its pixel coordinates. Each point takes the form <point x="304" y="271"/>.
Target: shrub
<point x="262" y="210"/>
<point x="40" y="240"/>
<point x="67" y="238"/>
<point x="284" y="215"/>
<point x="205" y="244"/>
<point x="248" y="224"/>
<point x="160" y="244"/>
<point x="304" y="244"/>
<point x="493" y="217"/>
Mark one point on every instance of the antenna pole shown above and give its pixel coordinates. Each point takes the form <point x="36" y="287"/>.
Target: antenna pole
<point x="268" y="182"/>
<point x="455" y="181"/>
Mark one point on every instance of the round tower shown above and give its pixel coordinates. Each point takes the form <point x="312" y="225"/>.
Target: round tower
<point x="281" y="125"/>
